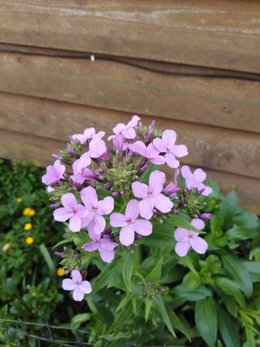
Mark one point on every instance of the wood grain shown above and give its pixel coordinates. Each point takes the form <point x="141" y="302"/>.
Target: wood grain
<point x="225" y="103"/>
<point x="220" y="34"/>
<point x="214" y="148"/>
<point x="37" y="150"/>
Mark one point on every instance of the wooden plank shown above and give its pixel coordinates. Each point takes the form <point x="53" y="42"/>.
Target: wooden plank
<point x="214" y="148"/>
<point x="225" y="103"/>
<point x="37" y="150"/>
<point x="221" y="34"/>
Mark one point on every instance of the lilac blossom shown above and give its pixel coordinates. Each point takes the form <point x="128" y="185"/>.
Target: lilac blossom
<point x="149" y="152"/>
<point x="195" y="179"/>
<point x="187" y="239"/>
<point x="94" y="221"/>
<point x="71" y="210"/>
<point x="151" y="195"/>
<point x="130" y="223"/>
<point x="167" y="146"/>
<point x="103" y="245"/>
<point x="127" y="130"/>
<point x="172" y="188"/>
<point x="79" y="287"/>
<point x="88" y="134"/>
<point x="54" y="173"/>
<point x="81" y="174"/>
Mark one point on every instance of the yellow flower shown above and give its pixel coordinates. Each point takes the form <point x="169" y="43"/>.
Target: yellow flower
<point x="27" y="226"/>
<point x="19" y="200"/>
<point x="28" y="211"/>
<point x="6" y="246"/>
<point x="60" y="271"/>
<point x="29" y="240"/>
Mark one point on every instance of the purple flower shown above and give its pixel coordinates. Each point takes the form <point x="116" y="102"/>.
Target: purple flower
<point x="127" y="130"/>
<point x="151" y="195"/>
<point x="79" y="287"/>
<point x="187" y="239"/>
<point x="118" y="143"/>
<point x="167" y="146"/>
<point x="149" y="152"/>
<point x="94" y="221"/>
<point x="172" y="187"/>
<point x="88" y="134"/>
<point x="54" y="173"/>
<point x="81" y="174"/>
<point x="104" y="246"/>
<point x="130" y="224"/>
<point x="195" y="179"/>
<point x="71" y="210"/>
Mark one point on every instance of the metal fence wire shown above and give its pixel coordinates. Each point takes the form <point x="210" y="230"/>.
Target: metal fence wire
<point x="20" y="333"/>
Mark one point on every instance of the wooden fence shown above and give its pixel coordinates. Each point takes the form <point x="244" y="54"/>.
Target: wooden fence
<point x="50" y="88"/>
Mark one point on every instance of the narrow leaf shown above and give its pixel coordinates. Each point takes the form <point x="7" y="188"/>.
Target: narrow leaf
<point x="179" y="221"/>
<point x="127" y="268"/>
<point x="159" y="305"/>
<point x="148" y="305"/>
<point x="206" y="320"/>
<point x="155" y="274"/>
<point x="46" y="255"/>
<point x="228" y="329"/>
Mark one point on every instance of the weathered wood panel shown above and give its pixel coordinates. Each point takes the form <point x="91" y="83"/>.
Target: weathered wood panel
<point x="37" y="150"/>
<point x="213" y="148"/>
<point x="222" y="34"/>
<point x="225" y="103"/>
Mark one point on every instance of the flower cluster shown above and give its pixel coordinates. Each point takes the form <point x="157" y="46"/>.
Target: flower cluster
<point x="114" y="191"/>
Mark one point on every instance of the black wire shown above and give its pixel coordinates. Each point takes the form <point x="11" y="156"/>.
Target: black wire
<point x="228" y="75"/>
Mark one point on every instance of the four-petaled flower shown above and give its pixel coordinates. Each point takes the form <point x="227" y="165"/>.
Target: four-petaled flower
<point x="79" y="287"/>
<point x="103" y="245"/>
<point x="94" y="221"/>
<point x="127" y="130"/>
<point x="71" y="210"/>
<point x="151" y="195"/>
<point x="149" y="152"/>
<point x="88" y="134"/>
<point x="54" y="173"/>
<point x="167" y="146"/>
<point x="195" y="179"/>
<point x="187" y="239"/>
<point x="130" y="224"/>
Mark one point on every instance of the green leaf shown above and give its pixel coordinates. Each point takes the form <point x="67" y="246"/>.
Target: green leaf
<point x="228" y="329"/>
<point x="148" y="305"/>
<point x="240" y="233"/>
<point x="127" y="268"/>
<point x="179" y="325"/>
<point x="206" y="320"/>
<point x="239" y="273"/>
<point x="230" y="288"/>
<point x="253" y="267"/>
<point x="145" y="176"/>
<point x="162" y="236"/>
<point x="192" y="280"/>
<point x="155" y="274"/>
<point x="80" y="318"/>
<point x="106" y="276"/>
<point x="46" y="255"/>
<point x="229" y="208"/>
<point x="159" y="305"/>
<point x="63" y="242"/>
<point x="181" y="222"/>
<point x="197" y="294"/>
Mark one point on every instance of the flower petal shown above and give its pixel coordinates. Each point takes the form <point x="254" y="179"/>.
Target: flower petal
<point x="159" y="145"/>
<point x="75" y="223"/>
<point x="143" y="227"/>
<point x="68" y="284"/>
<point x="182" y="248"/>
<point x="127" y="235"/>
<point x="198" y="223"/>
<point x="156" y="181"/>
<point x="78" y="295"/>
<point x="106" y="205"/>
<point x="129" y="133"/>
<point x="169" y="137"/>
<point x="85" y="287"/>
<point x="61" y="214"/>
<point x="99" y="224"/>
<point x="91" y="246"/>
<point x="207" y="191"/>
<point x="146" y="207"/>
<point x="138" y="147"/>
<point x="76" y="276"/>
<point x="186" y="172"/>
<point x="69" y="202"/>
<point x="199" y="245"/>
<point x="199" y="175"/>
<point x="118" y="220"/>
<point x="171" y="160"/>
<point x="179" y="150"/>
<point x="106" y="256"/>
<point x="139" y="189"/>
<point x="97" y="147"/>
<point x="89" y="197"/>
<point x="163" y="203"/>
<point x="181" y="234"/>
<point x="132" y="210"/>
<point x="107" y="244"/>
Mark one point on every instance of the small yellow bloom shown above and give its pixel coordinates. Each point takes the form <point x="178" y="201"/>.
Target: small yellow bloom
<point x="19" y="200"/>
<point x="6" y="246"/>
<point x="29" y="240"/>
<point x="27" y="226"/>
<point x="28" y="211"/>
<point x="60" y="271"/>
